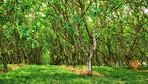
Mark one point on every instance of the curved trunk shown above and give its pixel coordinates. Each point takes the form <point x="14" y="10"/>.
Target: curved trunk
<point x="90" y="54"/>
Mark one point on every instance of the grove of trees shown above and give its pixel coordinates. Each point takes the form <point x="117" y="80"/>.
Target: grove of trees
<point x="73" y="32"/>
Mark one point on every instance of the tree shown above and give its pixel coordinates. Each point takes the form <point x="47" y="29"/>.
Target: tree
<point x="73" y="17"/>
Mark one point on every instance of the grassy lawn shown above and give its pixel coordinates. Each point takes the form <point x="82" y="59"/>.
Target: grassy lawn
<point x="123" y="75"/>
<point x="43" y="74"/>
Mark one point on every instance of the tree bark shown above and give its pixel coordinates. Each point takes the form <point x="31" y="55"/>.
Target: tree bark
<point x="73" y="61"/>
<point x="67" y="60"/>
<point x="18" y="60"/>
<point x="89" y="64"/>
<point x="25" y="60"/>
<point x="73" y="57"/>
<point x="4" y="60"/>
<point x="18" y="57"/>
<point x="25" y="57"/>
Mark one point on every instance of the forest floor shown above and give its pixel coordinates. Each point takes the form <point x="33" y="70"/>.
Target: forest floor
<point x="51" y="74"/>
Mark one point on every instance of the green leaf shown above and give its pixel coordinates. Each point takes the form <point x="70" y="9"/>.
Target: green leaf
<point x="125" y="22"/>
<point x="5" y="13"/>
<point x="123" y="7"/>
<point x="108" y="14"/>
<point x="15" y="7"/>
<point x="21" y="35"/>
<point x="16" y="22"/>
<point x="75" y="34"/>
<point x="33" y="44"/>
<point x="95" y="10"/>
<point x="38" y="44"/>
<point x="9" y="8"/>
<point x="28" y="40"/>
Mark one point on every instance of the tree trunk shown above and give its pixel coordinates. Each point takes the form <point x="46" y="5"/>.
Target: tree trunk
<point x="4" y="60"/>
<point x="10" y="59"/>
<point x="18" y="60"/>
<point x="90" y="54"/>
<point x="67" y="60"/>
<point x="89" y="64"/>
<point x="73" y="61"/>
<point x="73" y="57"/>
<point x="18" y="57"/>
<point x="25" y="59"/>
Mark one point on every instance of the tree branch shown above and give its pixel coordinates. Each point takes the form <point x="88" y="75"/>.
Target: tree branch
<point x="9" y="44"/>
<point x="88" y="31"/>
<point x="96" y="19"/>
<point x="104" y="21"/>
<point x="81" y="40"/>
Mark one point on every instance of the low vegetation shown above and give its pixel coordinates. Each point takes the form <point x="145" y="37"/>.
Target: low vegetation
<point x="109" y="36"/>
<point x="51" y="74"/>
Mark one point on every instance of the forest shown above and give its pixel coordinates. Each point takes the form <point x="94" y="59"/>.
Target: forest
<point x="100" y="35"/>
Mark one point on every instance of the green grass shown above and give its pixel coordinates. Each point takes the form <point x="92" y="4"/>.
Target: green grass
<point x="144" y="68"/>
<point x="43" y="74"/>
<point x="122" y="76"/>
<point x="9" y="65"/>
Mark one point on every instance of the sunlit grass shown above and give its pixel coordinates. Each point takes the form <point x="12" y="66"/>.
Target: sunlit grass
<point x="50" y="74"/>
<point x="123" y="75"/>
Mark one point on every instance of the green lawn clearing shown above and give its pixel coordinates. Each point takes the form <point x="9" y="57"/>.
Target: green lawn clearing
<point x="50" y="74"/>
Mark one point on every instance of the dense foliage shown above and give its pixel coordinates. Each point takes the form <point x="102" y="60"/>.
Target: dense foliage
<point x="73" y="32"/>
